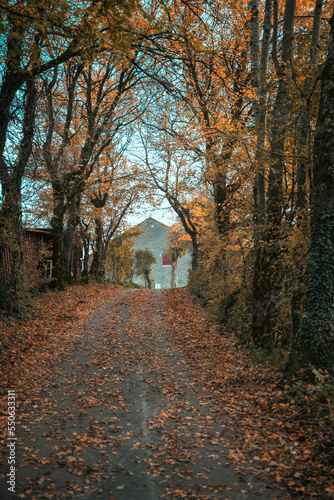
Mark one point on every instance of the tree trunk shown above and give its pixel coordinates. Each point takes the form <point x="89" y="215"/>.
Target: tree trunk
<point x="97" y="269"/>
<point x="195" y="252"/>
<point x="220" y="198"/>
<point x="188" y="225"/>
<point x="148" y="282"/>
<point x="70" y="237"/>
<point x="314" y="344"/>
<point x="259" y="71"/>
<point x="10" y="214"/>
<point x="173" y="273"/>
<point x="304" y="126"/>
<point x="57" y="225"/>
<point x="267" y="276"/>
<point x="11" y="244"/>
<point x="303" y="167"/>
<point x="13" y="80"/>
<point x="85" y="271"/>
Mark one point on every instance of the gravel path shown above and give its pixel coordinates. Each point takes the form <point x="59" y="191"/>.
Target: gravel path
<point x="118" y="416"/>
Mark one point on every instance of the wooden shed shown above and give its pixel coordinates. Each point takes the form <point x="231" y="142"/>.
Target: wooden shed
<point x="38" y="256"/>
<point x="39" y="251"/>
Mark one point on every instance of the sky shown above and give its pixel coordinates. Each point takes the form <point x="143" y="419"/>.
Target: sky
<point x="162" y="214"/>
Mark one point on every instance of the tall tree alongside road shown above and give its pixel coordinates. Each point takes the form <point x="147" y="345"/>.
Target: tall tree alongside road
<point x="313" y="347"/>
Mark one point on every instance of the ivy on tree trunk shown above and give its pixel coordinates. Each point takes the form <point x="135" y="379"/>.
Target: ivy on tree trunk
<point x="313" y="346"/>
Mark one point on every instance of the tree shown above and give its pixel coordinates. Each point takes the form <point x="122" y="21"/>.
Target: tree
<point x="313" y="346"/>
<point x="143" y="263"/>
<point x="267" y="273"/>
<point x="284" y="127"/>
<point x="11" y="175"/>
<point x="112" y="193"/>
<point x="120" y="256"/>
<point x="36" y="38"/>
<point x="106" y="227"/>
<point x="85" y="109"/>
<point x="205" y="88"/>
<point x="170" y="171"/>
<point x="177" y="245"/>
<point x="304" y="140"/>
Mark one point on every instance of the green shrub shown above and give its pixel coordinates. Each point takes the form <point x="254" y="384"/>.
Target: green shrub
<point x="131" y="284"/>
<point x="277" y="357"/>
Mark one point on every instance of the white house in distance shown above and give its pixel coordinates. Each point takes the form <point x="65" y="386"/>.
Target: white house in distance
<point x="155" y="239"/>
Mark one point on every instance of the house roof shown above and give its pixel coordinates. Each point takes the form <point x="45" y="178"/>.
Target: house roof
<point x="37" y="230"/>
<point x="153" y="220"/>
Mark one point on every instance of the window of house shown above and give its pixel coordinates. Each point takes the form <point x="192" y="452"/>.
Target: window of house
<point x="166" y="260"/>
<point x="48" y="269"/>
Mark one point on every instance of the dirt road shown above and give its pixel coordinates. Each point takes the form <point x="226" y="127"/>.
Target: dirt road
<point x="119" y="416"/>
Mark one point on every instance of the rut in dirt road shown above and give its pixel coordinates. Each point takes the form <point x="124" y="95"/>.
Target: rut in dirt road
<point x="119" y="416"/>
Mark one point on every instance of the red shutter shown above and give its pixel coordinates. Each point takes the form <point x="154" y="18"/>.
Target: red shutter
<point x="166" y="260"/>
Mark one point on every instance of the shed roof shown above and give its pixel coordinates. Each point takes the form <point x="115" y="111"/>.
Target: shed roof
<point x="37" y="230"/>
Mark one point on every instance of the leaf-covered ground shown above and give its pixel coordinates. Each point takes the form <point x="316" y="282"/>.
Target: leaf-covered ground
<point x="133" y="394"/>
